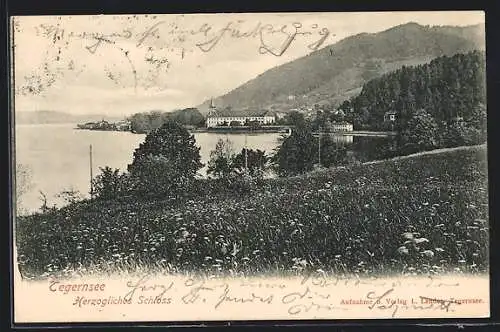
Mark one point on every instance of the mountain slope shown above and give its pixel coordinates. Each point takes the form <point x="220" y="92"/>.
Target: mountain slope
<point x="46" y="117"/>
<point x="336" y="72"/>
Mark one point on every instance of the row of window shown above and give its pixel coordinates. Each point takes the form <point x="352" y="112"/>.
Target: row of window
<point x="241" y="118"/>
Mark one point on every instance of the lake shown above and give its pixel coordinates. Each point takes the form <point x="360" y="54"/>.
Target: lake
<point x="56" y="156"/>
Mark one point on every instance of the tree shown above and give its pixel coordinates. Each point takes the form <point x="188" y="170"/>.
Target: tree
<point x="220" y="163"/>
<point x="110" y="183"/>
<point x="420" y="134"/>
<point x="294" y="118"/>
<point x="332" y="153"/>
<point x="459" y="133"/>
<point x="478" y="118"/>
<point x="146" y="122"/>
<point x="322" y="121"/>
<point x="168" y="159"/>
<point x="256" y="161"/>
<point x="297" y="154"/>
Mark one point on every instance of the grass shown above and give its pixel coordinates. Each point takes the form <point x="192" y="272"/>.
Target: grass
<point x="424" y="214"/>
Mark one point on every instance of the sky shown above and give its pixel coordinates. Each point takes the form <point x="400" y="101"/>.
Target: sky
<point x="119" y="65"/>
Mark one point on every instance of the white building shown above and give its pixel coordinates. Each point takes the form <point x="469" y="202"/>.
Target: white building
<point x="390" y="116"/>
<point x="341" y="126"/>
<point x="217" y="118"/>
<point x="124" y="125"/>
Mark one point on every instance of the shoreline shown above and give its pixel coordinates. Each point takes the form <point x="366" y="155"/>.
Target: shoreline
<point x="217" y="130"/>
<point x="262" y="130"/>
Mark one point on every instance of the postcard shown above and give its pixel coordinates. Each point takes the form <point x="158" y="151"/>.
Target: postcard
<point x="249" y="166"/>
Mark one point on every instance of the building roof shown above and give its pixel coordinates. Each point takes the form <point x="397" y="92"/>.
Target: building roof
<point x="235" y="113"/>
<point x="340" y="123"/>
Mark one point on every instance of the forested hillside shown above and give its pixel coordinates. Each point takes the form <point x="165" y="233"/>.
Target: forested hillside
<point x="447" y="88"/>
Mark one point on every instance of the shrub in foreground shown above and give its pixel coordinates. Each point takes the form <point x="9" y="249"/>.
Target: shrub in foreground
<point x="425" y="214"/>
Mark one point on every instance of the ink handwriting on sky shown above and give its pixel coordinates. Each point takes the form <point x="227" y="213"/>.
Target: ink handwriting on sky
<point x="156" y="45"/>
<point x="274" y="39"/>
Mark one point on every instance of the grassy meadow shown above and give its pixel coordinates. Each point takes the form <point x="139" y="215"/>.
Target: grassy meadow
<point x="422" y="214"/>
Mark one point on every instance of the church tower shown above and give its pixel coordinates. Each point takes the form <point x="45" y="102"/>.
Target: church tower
<point x="212" y="110"/>
<point x="212" y="115"/>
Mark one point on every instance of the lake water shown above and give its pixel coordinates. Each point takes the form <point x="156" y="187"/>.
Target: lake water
<point x="57" y="156"/>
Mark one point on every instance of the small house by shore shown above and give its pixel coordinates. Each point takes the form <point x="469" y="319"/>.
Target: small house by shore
<point x="390" y="116"/>
<point x="341" y="126"/>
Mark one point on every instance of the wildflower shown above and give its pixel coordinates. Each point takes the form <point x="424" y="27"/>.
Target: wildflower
<point x="428" y="253"/>
<point x="421" y="240"/>
<point x="408" y="235"/>
<point x="403" y="250"/>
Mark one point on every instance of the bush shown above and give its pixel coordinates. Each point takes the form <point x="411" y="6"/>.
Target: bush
<point x="110" y="183"/>
<point x="166" y="162"/>
<point x="297" y="154"/>
<point x="420" y="134"/>
<point x="459" y="133"/>
<point x="221" y="158"/>
<point x="256" y="162"/>
<point x="332" y="153"/>
<point x="160" y="176"/>
<point x="378" y="218"/>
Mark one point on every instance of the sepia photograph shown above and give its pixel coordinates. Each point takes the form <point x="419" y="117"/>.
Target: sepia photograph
<point x="249" y="166"/>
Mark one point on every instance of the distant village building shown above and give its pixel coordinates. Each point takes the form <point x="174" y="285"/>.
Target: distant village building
<point x="341" y="126"/>
<point x="390" y="116"/>
<point x="100" y="125"/>
<point x="280" y="115"/>
<point x="339" y="112"/>
<point x="124" y="125"/>
<point x="217" y="118"/>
